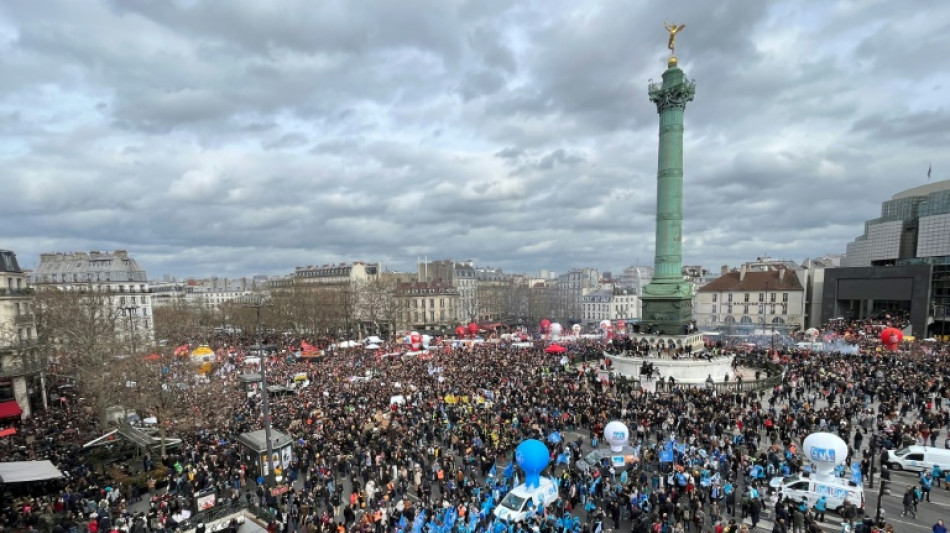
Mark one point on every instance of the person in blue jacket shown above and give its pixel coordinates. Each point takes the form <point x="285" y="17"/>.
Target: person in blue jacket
<point x="926" y="485"/>
<point x="821" y="506"/>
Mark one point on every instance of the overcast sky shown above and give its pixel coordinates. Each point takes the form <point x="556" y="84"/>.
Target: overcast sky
<point x="243" y="137"/>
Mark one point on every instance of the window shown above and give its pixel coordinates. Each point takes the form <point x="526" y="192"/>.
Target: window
<point x="431" y="316"/>
<point x="772" y="310"/>
<point x="745" y="298"/>
<point x="772" y="297"/>
<point x="715" y="298"/>
<point x="784" y="309"/>
<point x="785" y="297"/>
<point x="431" y="302"/>
<point x="713" y="308"/>
<point x="730" y="309"/>
<point x="730" y="299"/>
<point x="761" y="297"/>
<point x="745" y="308"/>
<point x="761" y="309"/>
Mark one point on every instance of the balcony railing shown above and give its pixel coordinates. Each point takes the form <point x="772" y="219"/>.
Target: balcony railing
<point x="20" y="363"/>
<point x="26" y="319"/>
<point x="26" y="291"/>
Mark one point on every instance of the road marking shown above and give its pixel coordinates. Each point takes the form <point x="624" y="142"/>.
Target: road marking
<point x="914" y="524"/>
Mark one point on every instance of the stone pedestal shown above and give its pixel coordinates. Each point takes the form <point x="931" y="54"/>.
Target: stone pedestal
<point x="685" y="371"/>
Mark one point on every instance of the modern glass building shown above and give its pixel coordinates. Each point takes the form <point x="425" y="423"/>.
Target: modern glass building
<point x="912" y="231"/>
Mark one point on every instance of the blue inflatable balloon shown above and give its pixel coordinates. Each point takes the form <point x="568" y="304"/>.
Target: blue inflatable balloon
<point x="532" y="456"/>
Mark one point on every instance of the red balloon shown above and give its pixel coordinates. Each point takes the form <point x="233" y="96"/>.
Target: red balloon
<point x="544" y="326"/>
<point x="891" y="337"/>
<point x="460" y="331"/>
<point x="473" y="328"/>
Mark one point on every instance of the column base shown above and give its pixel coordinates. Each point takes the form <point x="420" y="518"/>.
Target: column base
<point x="667" y="306"/>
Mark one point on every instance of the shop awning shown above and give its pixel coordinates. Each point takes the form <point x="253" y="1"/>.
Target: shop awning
<point x="23" y="471"/>
<point x="10" y="409"/>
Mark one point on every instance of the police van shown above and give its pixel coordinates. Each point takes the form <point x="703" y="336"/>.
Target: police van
<point x="836" y="490"/>
<point x="918" y="458"/>
<point x="522" y="501"/>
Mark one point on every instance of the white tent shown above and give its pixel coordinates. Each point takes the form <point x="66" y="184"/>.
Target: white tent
<point x="373" y="339"/>
<point x="372" y="346"/>
<point x="23" y="471"/>
<point x="348" y="344"/>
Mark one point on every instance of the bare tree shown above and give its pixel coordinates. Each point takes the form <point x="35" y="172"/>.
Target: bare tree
<point x="80" y="332"/>
<point x="376" y="305"/>
<point x="152" y="387"/>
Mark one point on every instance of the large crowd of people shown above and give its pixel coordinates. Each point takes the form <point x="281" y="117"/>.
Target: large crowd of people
<point x="437" y="461"/>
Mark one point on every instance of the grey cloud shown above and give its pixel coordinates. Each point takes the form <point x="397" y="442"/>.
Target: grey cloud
<point x="246" y="137"/>
<point x="923" y="129"/>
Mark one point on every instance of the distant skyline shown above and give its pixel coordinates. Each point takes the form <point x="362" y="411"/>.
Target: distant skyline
<point x="241" y="138"/>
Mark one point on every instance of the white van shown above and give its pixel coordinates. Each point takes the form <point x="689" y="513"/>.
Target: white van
<point x="836" y="490"/>
<point x="514" y="507"/>
<point x="918" y="458"/>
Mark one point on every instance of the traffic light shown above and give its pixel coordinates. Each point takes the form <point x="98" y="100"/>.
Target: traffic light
<point x="885" y="489"/>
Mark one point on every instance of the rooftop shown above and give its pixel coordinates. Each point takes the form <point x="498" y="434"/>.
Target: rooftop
<point x="769" y="280"/>
<point x="8" y="262"/>
<point x="923" y="190"/>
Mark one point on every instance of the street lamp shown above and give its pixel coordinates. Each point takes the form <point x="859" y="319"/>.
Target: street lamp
<point x="131" y="310"/>
<point x="261" y="349"/>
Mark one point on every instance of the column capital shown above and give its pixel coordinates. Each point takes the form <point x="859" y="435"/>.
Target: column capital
<point x="667" y="97"/>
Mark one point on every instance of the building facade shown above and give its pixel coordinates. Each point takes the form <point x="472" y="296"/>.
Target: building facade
<point x="913" y="229"/>
<point x="209" y="293"/>
<point x="341" y="274"/>
<point x="493" y="289"/>
<point x="636" y="278"/>
<point x="611" y="303"/>
<point x="22" y="367"/>
<point x="571" y="288"/>
<point x="752" y="301"/>
<point x="115" y="276"/>
<point x="429" y="306"/>
<point x="458" y="274"/>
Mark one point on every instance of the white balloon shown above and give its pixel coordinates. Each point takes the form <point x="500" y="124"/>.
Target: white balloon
<point x="825" y="451"/>
<point x="556" y="328"/>
<point x="617" y="435"/>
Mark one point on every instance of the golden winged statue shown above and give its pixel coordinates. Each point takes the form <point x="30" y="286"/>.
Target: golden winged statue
<point x="673" y="29"/>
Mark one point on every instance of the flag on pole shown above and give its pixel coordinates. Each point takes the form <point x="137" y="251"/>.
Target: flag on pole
<point x="493" y="471"/>
<point x="593" y="486"/>
<point x="509" y="470"/>
<point x="418" y="522"/>
<point x="554" y="437"/>
<point x="561" y="458"/>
